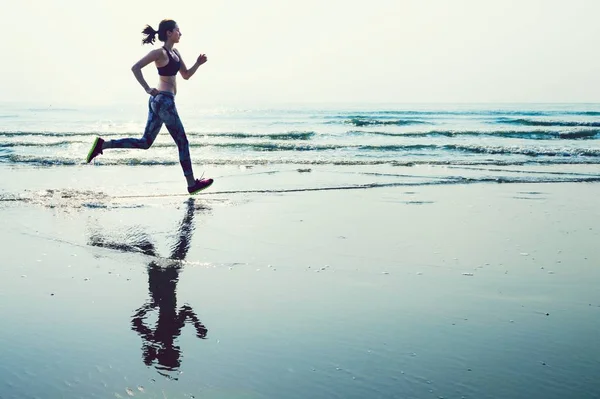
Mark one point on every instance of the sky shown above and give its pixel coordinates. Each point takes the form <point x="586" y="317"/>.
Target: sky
<point x="308" y="51"/>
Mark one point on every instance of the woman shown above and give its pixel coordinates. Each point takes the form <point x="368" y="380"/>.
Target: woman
<point x="161" y="107"/>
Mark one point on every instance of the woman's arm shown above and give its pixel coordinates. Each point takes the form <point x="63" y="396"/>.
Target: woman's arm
<point x="137" y="69"/>
<point x="188" y="73"/>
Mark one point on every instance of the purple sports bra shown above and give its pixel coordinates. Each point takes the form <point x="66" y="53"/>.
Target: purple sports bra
<point x="171" y="68"/>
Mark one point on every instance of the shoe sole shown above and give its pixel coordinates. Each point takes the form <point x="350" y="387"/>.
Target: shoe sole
<point x="88" y="159"/>
<point x="200" y="189"/>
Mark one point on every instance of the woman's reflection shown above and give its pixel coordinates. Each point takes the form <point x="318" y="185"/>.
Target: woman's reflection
<point x="159" y="344"/>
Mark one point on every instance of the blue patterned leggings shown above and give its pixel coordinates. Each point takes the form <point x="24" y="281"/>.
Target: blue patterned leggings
<point x="161" y="109"/>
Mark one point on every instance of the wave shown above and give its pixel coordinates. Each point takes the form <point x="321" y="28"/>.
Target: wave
<point x="271" y="136"/>
<point x="260" y="147"/>
<point x="379" y="148"/>
<point x="515" y="150"/>
<point x="360" y="121"/>
<point x="351" y="161"/>
<point x="533" y="122"/>
<point x="513" y="134"/>
<point x="478" y="149"/>
<point x="292" y="135"/>
<point x="353" y="149"/>
<point x="581" y="134"/>
<point x="33" y="144"/>
<point x="532" y="152"/>
<point x="407" y="112"/>
<point x="17" y="133"/>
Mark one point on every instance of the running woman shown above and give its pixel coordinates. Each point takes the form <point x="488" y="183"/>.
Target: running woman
<point x="161" y="105"/>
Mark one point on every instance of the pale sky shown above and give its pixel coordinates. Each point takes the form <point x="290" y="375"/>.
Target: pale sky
<point x="270" y="51"/>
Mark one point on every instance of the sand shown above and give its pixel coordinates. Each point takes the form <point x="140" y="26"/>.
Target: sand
<point x="115" y="284"/>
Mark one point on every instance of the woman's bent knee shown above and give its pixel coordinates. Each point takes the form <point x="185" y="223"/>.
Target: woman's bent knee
<point x="144" y="144"/>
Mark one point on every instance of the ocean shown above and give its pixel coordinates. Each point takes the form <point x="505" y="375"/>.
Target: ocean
<point x="466" y="142"/>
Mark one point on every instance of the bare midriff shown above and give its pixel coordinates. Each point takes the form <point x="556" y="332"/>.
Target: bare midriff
<point x="167" y="83"/>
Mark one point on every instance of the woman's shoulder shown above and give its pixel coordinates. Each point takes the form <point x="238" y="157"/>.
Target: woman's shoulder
<point x="157" y="52"/>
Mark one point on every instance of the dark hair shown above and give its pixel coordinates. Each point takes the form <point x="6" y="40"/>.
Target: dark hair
<point x="163" y="27"/>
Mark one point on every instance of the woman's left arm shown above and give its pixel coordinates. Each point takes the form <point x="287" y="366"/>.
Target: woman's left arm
<point x="188" y="73"/>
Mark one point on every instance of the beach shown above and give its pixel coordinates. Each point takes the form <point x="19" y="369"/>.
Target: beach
<point x="296" y="281"/>
<point x="405" y="201"/>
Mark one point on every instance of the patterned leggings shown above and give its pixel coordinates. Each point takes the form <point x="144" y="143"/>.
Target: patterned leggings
<point x="161" y="109"/>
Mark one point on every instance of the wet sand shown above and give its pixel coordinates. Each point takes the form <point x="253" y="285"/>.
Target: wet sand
<point x="114" y="285"/>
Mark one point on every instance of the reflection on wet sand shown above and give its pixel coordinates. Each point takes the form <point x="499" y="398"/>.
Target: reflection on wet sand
<point x="159" y="341"/>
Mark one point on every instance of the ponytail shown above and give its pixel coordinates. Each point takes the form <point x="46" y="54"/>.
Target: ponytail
<point x="164" y="26"/>
<point x="150" y="35"/>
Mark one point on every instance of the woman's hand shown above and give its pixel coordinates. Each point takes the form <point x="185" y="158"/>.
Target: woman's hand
<point x="152" y="91"/>
<point x="201" y="59"/>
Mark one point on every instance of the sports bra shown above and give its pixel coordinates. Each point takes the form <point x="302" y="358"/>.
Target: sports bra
<point x="171" y="68"/>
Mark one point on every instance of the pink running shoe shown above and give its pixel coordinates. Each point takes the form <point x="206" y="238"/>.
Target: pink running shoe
<point x="199" y="185"/>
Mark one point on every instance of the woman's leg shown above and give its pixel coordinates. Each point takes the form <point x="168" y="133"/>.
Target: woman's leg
<point x="168" y="114"/>
<point x="153" y="126"/>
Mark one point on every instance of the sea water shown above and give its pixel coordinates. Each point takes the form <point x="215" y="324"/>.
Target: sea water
<point x="508" y="142"/>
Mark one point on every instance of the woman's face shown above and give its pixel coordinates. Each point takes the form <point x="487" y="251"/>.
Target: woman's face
<point x="174" y="35"/>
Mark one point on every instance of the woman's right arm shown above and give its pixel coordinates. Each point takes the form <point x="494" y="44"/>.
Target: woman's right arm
<point x="137" y="69"/>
